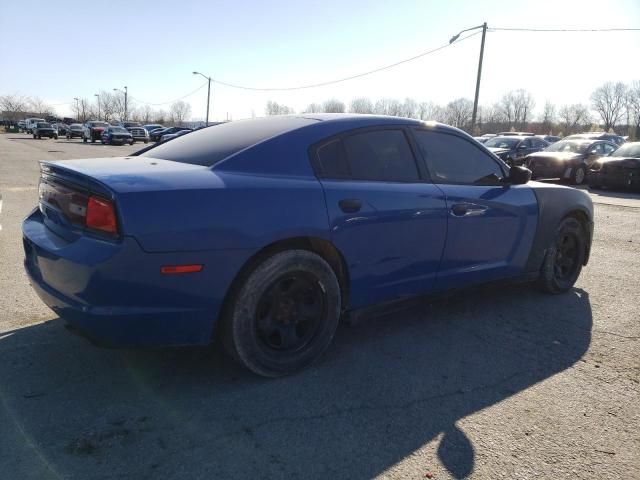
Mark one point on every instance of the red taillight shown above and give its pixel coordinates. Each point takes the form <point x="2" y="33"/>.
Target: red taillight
<point x="101" y="215"/>
<point x="171" y="269"/>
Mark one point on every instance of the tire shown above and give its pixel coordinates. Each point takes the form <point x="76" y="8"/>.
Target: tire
<point x="561" y="267"/>
<point x="39" y="137"/>
<point x="579" y="175"/>
<point x="146" y="141"/>
<point x="102" y="140"/>
<point x="261" y="326"/>
<point x="55" y="137"/>
<point x="34" y="136"/>
<point x="84" y="139"/>
<point x="68" y="137"/>
<point x="130" y="142"/>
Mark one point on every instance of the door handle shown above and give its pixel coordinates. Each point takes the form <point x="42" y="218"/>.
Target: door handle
<point x="350" y="205"/>
<point x="467" y="210"/>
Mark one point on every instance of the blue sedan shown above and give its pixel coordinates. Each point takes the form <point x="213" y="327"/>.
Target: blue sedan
<point x="268" y="231"/>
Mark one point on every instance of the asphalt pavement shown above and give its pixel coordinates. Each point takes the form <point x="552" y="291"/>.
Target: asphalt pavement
<point x="489" y="383"/>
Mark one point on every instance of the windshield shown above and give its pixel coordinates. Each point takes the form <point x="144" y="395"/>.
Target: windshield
<point x="119" y="130"/>
<point x="629" y="150"/>
<point x="99" y="124"/>
<point x="76" y="126"/>
<point x="568" y="146"/>
<point x="501" y="142"/>
<point x="43" y="125"/>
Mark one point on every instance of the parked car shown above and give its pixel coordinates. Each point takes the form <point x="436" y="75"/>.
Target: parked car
<point x="169" y="136"/>
<point x="113" y="135"/>
<point x="266" y="231"/>
<point x="620" y="169"/>
<point x="44" y="129"/>
<point x="513" y="149"/>
<point x="550" y="138"/>
<point x="60" y="127"/>
<point x="30" y="124"/>
<point x="92" y="130"/>
<point x="21" y="126"/>
<point x="482" y="139"/>
<point x="568" y="159"/>
<point x="517" y="134"/>
<point x="129" y="125"/>
<point x="611" y="137"/>
<point x="139" y="134"/>
<point x="74" y="130"/>
<point x="156" y="135"/>
<point x="152" y="126"/>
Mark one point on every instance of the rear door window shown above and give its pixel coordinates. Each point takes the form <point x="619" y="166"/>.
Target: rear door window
<point x="381" y="155"/>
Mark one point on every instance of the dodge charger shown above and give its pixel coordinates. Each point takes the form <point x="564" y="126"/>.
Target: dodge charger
<point x="266" y="232"/>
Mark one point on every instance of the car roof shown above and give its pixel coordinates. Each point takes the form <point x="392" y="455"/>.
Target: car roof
<point x="209" y="146"/>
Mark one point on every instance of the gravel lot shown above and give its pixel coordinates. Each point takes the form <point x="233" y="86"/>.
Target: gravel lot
<point x="493" y="383"/>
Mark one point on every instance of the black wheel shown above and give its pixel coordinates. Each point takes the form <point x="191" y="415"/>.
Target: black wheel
<point x="284" y="315"/>
<point x="84" y="139"/>
<point x="68" y="137"/>
<point x="55" y="137"/>
<point x="34" y="136"/>
<point x="102" y="140"/>
<point x="563" y="262"/>
<point x="578" y="175"/>
<point x="39" y="137"/>
<point x="146" y="141"/>
<point x="130" y="142"/>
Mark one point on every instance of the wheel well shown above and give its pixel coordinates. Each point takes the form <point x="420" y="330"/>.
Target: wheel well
<point x="319" y="246"/>
<point x="584" y="222"/>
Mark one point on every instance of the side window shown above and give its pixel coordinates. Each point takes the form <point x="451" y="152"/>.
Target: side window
<point x="382" y="155"/>
<point x="452" y="159"/>
<point x="526" y="143"/>
<point x="596" y="149"/>
<point x="608" y="149"/>
<point x="332" y="160"/>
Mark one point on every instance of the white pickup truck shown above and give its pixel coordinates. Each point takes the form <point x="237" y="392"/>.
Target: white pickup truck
<point x="31" y="123"/>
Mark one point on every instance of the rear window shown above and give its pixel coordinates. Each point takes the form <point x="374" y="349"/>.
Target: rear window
<point x="210" y="145"/>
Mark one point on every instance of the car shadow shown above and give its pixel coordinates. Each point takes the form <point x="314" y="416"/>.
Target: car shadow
<point x="383" y="390"/>
<point x="614" y="192"/>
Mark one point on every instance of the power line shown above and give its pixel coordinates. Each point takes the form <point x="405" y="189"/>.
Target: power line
<point x="497" y="29"/>
<point x="171" y="101"/>
<point x="344" y="79"/>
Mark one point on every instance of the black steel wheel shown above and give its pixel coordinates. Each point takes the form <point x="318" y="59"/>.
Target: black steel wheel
<point x="564" y="258"/>
<point x="283" y="316"/>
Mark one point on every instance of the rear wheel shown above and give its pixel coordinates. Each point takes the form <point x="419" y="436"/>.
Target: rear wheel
<point x="84" y="139"/>
<point x="285" y="314"/>
<point x="578" y="175"/>
<point x="563" y="262"/>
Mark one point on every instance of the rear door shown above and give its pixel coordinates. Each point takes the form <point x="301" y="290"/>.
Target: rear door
<point x="490" y="223"/>
<point x="386" y="219"/>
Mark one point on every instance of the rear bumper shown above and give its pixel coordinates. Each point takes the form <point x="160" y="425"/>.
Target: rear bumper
<point x="114" y="292"/>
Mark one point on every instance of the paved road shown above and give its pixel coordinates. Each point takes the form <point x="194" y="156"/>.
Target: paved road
<point x="494" y="383"/>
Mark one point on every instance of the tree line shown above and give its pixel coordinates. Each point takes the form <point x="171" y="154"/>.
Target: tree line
<point x="613" y="106"/>
<point x="106" y="106"/>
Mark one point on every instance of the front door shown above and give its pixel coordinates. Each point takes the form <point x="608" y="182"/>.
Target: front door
<point x="490" y="224"/>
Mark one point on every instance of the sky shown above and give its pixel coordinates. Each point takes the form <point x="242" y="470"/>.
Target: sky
<point x="58" y="53"/>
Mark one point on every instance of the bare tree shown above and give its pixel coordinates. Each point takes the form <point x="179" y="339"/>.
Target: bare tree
<point x="429" y="111"/>
<point x="274" y="108"/>
<point x="361" y="105"/>
<point x="409" y="108"/>
<point x="13" y="105"/>
<point x="574" y="118"/>
<point x="313" y="108"/>
<point x="388" y="106"/>
<point x="334" y="106"/>
<point x="459" y="112"/>
<point x="633" y="104"/>
<point x="548" y="116"/>
<point x="609" y="101"/>
<point x="40" y="107"/>
<point x="83" y="110"/>
<point x="180" y="111"/>
<point x="523" y="106"/>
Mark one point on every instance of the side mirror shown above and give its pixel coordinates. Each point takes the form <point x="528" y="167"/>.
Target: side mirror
<point x="519" y="175"/>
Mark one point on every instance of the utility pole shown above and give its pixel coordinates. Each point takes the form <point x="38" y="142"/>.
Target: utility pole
<point x="475" y="100"/>
<point x="208" y="94"/>
<point x="126" y="91"/>
<point x="96" y="95"/>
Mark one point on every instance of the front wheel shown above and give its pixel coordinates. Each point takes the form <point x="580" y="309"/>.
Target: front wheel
<point x="130" y="142"/>
<point x="563" y="262"/>
<point x="284" y="315"/>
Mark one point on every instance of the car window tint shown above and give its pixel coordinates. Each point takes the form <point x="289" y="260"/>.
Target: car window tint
<point x="608" y="149"/>
<point x="332" y="160"/>
<point x="596" y="149"/>
<point x="452" y="159"/>
<point x="382" y="155"/>
<point x="526" y="143"/>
